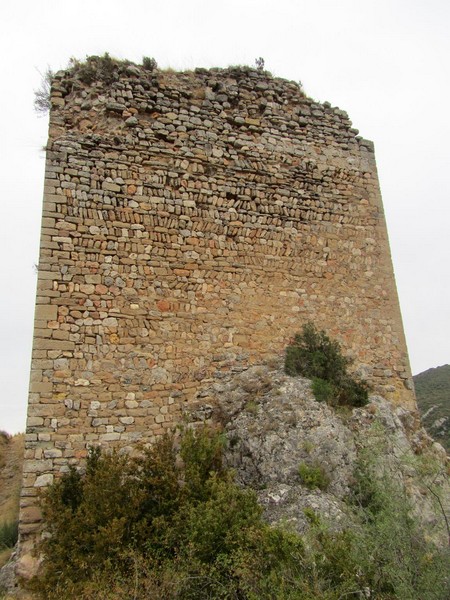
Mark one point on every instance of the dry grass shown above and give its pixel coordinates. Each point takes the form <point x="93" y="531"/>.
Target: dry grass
<point x="11" y="459"/>
<point x="5" y="556"/>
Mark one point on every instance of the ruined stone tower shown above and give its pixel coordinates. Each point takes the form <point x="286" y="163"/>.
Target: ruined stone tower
<point x="192" y="223"/>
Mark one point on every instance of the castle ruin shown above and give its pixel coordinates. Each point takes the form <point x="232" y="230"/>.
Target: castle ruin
<point x="192" y="222"/>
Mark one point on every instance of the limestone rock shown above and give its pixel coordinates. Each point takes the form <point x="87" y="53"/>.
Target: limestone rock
<point x="273" y="424"/>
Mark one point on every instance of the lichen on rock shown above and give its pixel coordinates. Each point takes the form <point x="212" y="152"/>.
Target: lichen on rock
<point x="273" y="424"/>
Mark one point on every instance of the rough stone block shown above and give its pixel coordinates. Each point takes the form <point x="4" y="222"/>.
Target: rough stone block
<point x="46" y="312"/>
<point x="43" y="480"/>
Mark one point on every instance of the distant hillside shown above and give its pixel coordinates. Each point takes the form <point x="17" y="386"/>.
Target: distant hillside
<point x="433" y="398"/>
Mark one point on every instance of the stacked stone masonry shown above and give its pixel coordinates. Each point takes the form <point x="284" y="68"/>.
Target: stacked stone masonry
<point x="192" y="223"/>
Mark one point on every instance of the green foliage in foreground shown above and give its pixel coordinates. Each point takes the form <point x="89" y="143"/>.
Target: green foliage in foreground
<point x="178" y="528"/>
<point x="313" y="477"/>
<point x="391" y="543"/>
<point x="8" y="534"/>
<point x="314" y="355"/>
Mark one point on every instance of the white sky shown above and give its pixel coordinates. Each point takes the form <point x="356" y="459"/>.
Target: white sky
<point x="386" y="62"/>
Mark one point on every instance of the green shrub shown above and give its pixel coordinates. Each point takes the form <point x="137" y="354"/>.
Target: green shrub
<point x="311" y="515"/>
<point x="390" y="545"/>
<point x="352" y="392"/>
<point x="173" y="525"/>
<point x="312" y="354"/>
<point x="149" y="63"/>
<point x="85" y="70"/>
<point x="251" y="407"/>
<point x="8" y="534"/>
<point x="384" y="555"/>
<point x="313" y="476"/>
<point x="97" y="68"/>
<point x="324" y="391"/>
<point x="164" y="517"/>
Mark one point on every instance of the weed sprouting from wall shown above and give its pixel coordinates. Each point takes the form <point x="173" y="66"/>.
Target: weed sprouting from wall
<point x="42" y="95"/>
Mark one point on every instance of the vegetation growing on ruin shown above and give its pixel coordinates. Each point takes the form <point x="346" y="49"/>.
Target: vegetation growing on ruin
<point x="42" y="94"/>
<point x="97" y="68"/>
<point x="108" y="69"/>
<point x="314" y="355"/>
<point x="313" y="476"/>
<point x="172" y="524"/>
<point x="149" y="63"/>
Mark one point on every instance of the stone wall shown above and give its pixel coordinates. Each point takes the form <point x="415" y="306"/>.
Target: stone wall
<point x="192" y="223"/>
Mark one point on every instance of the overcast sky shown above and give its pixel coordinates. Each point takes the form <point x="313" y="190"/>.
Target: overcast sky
<point x="386" y="62"/>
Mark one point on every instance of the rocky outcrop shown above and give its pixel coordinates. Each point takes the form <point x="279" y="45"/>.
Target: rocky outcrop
<point x="274" y="424"/>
